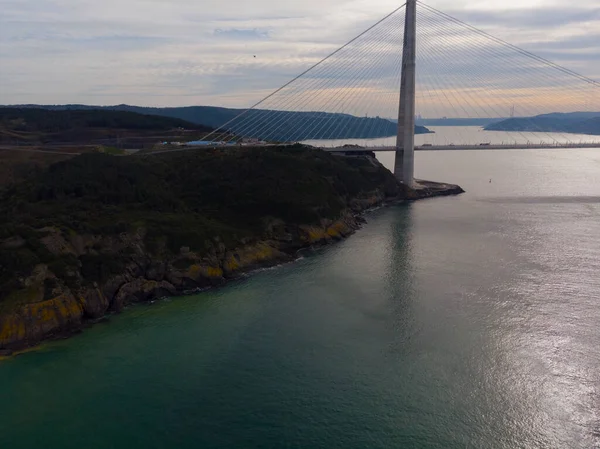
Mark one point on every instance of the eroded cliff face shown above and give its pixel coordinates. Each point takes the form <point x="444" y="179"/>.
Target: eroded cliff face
<point x="55" y="301"/>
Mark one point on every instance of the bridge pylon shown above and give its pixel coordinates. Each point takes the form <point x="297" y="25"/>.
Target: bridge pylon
<point x="404" y="167"/>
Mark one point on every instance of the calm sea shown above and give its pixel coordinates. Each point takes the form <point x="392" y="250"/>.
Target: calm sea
<point x="470" y="135"/>
<point x="464" y="322"/>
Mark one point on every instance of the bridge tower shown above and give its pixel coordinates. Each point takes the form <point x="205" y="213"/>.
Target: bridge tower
<point x="404" y="167"/>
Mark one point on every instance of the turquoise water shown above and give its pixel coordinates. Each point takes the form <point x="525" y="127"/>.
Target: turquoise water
<point x="467" y="322"/>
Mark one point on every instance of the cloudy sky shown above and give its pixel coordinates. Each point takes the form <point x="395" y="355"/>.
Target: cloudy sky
<point x="202" y="52"/>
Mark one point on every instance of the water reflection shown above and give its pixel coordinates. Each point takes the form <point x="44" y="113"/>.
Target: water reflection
<point x="400" y="278"/>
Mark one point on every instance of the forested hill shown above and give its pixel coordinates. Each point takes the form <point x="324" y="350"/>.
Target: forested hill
<point x="37" y="126"/>
<point x="292" y="126"/>
<point x="42" y="119"/>
<point x="573" y="123"/>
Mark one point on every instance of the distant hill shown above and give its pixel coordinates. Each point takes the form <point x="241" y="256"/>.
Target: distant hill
<point x="457" y="121"/>
<point x="43" y="119"/>
<point x="572" y="123"/>
<point x="45" y="125"/>
<point x="591" y="126"/>
<point x="571" y="115"/>
<point x="292" y="126"/>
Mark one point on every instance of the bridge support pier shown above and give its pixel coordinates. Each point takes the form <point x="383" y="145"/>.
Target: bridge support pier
<point x="404" y="167"/>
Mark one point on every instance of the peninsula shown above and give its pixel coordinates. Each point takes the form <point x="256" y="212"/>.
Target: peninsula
<point x="83" y="236"/>
<point x="94" y="233"/>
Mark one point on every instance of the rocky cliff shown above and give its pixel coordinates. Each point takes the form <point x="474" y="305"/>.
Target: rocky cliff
<point x="45" y="304"/>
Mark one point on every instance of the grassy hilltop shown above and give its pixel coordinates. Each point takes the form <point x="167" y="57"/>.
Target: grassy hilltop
<point x="25" y="132"/>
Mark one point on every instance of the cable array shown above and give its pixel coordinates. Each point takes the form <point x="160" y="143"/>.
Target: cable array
<point x="475" y="75"/>
<point x="350" y="93"/>
<point x="462" y="72"/>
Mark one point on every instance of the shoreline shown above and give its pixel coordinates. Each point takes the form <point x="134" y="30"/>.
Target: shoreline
<point x="270" y="258"/>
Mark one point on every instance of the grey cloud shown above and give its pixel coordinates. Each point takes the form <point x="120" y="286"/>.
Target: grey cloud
<point x="121" y="43"/>
<point x="590" y="42"/>
<point x="194" y="54"/>
<point x="242" y="34"/>
<point x="531" y="18"/>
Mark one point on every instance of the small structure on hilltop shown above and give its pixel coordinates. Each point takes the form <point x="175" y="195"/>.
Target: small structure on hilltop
<point x="251" y="141"/>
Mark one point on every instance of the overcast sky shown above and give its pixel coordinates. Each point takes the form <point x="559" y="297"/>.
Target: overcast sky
<point x="201" y="52"/>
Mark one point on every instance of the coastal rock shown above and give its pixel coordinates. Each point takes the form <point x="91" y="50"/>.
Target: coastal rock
<point x="329" y="230"/>
<point x="112" y="286"/>
<point x="156" y="271"/>
<point x="175" y="278"/>
<point x="428" y="189"/>
<point x="203" y="276"/>
<point x="31" y="323"/>
<point x="141" y="290"/>
<point x="94" y="302"/>
<point x="252" y="257"/>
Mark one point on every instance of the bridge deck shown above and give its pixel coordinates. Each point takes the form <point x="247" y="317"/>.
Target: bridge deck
<point x="544" y="146"/>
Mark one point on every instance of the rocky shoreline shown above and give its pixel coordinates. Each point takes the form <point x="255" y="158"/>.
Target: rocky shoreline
<point x="144" y="279"/>
<point x="66" y="311"/>
<point x="91" y="235"/>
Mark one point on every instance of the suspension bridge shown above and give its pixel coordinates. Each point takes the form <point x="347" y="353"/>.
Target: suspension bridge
<point x="419" y="61"/>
